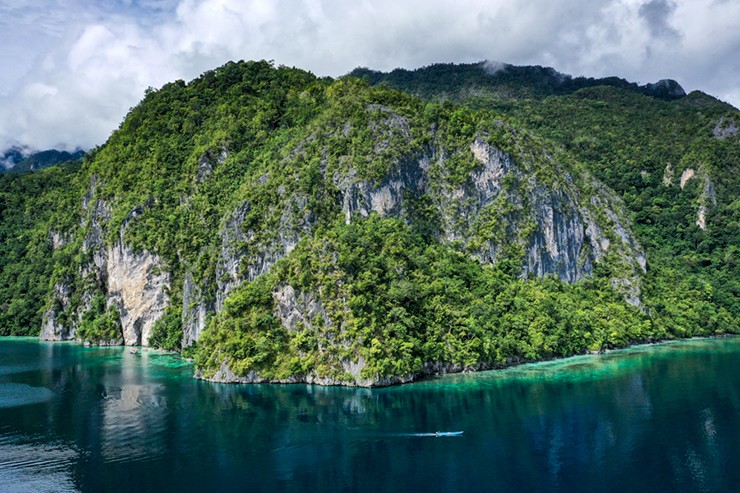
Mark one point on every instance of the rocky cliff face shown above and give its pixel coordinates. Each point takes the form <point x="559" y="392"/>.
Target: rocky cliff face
<point x="562" y="225"/>
<point x="137" y="287"/>
<point x="707" y="197"/>
<point x="52" y="328"/>
<point x="561" y="231"/>
<point x="241" y="259"/>
<point x="726" y="128"/>
<point x="559" y="223"/>
<point x="665" y="89"/>
<point x="134" y="283"/>
<point x="297" y="310"/>
<point x="195" y="311"/>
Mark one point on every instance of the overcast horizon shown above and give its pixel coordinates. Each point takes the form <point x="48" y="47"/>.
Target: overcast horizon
<point x="72" y="69"/>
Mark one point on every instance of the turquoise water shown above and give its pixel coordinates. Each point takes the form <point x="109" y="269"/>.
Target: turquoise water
<point x="651" y="418"/>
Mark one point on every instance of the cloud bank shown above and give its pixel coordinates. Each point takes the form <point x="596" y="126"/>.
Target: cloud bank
<point x="73" y="68"/>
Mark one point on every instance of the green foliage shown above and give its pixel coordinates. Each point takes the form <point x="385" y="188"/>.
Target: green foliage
<point x="486" y="85"/>
<point x="629" y="141"/>
<point x="167" y="331"/>
<point x="246" y="335"/>
<point x="36" y="209"/>
<point x="608" y="131"/>
<point x="100" y="324"/>
<point x="398" y="300"/>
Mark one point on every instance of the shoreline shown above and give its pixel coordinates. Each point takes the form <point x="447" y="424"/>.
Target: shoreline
<point x="434" y="370"/>
<point x="227" y="377"/>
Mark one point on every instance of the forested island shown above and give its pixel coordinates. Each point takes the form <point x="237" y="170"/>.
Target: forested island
<point x="369" y="230"/>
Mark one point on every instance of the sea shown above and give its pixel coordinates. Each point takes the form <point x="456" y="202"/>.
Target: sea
<point x="652" y="418"/>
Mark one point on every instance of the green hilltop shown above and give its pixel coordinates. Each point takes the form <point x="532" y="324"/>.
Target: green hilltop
<point x="369" y="230"/>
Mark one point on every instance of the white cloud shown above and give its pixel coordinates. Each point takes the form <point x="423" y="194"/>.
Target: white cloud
<point x="74" y="68"/>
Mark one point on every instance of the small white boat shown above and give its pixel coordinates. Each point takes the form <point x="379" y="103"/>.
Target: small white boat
<point x="448" y="433"/>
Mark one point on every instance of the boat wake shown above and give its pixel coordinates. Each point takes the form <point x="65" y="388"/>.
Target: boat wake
<point x="435" y="434"/>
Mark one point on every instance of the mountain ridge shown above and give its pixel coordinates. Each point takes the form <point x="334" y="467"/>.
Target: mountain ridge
<point x="19" y="159"/>
<point x="509" y="81"/>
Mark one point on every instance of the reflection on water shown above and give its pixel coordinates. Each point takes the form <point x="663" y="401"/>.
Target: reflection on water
<point x="130" y="430"/>
<point x="657" y="418"/>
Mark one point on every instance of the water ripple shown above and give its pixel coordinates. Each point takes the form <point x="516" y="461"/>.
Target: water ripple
<point x="21" y="394"/>
<point x="30" y="467"/>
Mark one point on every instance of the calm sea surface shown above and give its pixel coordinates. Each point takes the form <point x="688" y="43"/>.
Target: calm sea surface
<point x="652" y="418"/>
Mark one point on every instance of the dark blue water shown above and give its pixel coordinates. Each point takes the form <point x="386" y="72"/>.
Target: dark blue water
<point x="652" y="418"/>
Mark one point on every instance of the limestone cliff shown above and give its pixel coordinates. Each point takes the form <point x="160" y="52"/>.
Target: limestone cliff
<point x="135" y="284"/>
<point x="555" y="219"/>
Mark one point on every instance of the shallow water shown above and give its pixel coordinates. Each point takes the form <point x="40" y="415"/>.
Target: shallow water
<point x="652" y="418"/>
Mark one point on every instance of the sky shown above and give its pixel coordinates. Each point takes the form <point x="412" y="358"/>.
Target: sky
<point x="70" y="70"/>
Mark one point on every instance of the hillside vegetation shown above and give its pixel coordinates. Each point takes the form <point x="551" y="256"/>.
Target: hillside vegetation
<point x="277" y="226"/>
<point x="674" y="161"/>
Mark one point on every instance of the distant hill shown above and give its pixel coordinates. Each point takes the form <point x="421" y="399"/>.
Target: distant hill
<point x="19" y="159"/>
<point x="12" y="156"/>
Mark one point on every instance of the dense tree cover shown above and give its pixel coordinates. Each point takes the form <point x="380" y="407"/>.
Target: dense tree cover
<point x="640" y="146"/>
<point x="268" y="146"/>
<point x="100" y="324"/>
<point x="36" y="210"/>
<point x="498" y="82"/>
<point x="693" y="279"/>
<point x="397" y="300"/>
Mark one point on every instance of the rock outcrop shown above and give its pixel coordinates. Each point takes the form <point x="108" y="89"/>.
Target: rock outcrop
<point x="687" y="174"/>
<point x="137" y="287"/>
<point x="563" y="227"/>
<point x="665" y="89"/>
<point x="562" y="232"/>
<point x="726" y="128"/>
<point x="707" y="199"/>
<point x="134" y="283"/>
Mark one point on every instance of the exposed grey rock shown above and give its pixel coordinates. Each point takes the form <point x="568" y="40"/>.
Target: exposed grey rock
<point x="233" y="241"/>
<point x="57" y="240"/>
<point x="225" y="375"/>
<point x="361" y="197"/>
<point x="51" y="328"/>
<point x="560" y="231"/>
<point x="563" y="228"/>
<point x="559" y="240"/>
<point x="708" y="198"/>
<point x="687" y="174"/>
<point x="726" y="127"/>
<point x="195" y="311"/>
<point x="701" y="217"/>
<point x="135" y="283"/>
<point x="244" y="260"/>
<point x="137" y="286"/>
<point x="299" y="309"/>
<point x="665" y="89"/>
<point x="668" y="175"/>
<point x="96" y="215"/>
<point x="209" y="161"/>
<point x="566" y="239"/>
